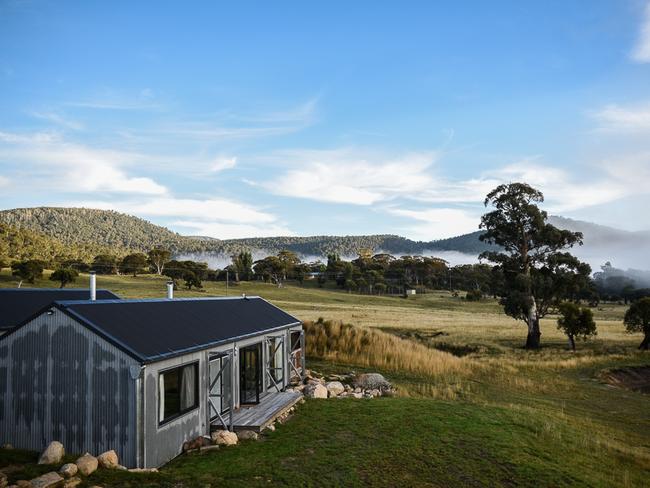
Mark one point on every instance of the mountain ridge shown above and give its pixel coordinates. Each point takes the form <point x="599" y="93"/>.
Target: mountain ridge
<point x="107" y="228"/>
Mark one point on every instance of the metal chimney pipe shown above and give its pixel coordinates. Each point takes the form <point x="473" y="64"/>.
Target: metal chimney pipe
<point x="170" y="290"/>
<point x="93" y="286"/>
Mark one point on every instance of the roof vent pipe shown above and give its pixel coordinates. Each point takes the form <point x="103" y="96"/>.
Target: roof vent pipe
<point x="170" y="290"/>
<point x="93" y="286"/>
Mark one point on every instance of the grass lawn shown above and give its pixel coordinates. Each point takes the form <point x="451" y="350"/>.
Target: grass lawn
<point x="501" y="416"/>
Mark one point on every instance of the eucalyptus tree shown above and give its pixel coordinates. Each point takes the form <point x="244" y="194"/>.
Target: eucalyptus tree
<point x="637" y="319"/>
<point x="576" y="322"/>
<point x="158" y="258"/>
<point x="64" y="276"/>
<point x="242" y="264"/>
<point x="537" y="273"/>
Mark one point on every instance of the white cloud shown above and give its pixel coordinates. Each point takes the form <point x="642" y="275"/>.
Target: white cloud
<point x="220" y="218"/>
<point x="439" y="222"/>
<point x="4" y="181"/>
<point x="641" y="51"/>
<point x="348" y="176"/>
<point x="562" y="192"/>
<point x="197" y="210"/>
<point x="74" y="167"/>
<point x="222" y="230"/>
<point x="223" y="163"/>
<point x="616" y="118"/>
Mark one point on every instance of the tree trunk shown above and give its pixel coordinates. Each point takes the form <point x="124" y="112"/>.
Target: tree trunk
<point x="572" y="343"/>
<point x="533" y="339"/>
<point x="645" y="345"/>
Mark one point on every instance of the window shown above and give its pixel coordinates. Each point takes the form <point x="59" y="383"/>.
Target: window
<point x="276" y="361"/>
<point x="178" y="391"/>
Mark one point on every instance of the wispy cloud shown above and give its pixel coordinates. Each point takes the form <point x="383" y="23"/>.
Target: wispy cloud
<point x="351" y="176"/>
<point x="618" y="118"/>
<point x="215" y="217"/>
<point x="223" y="163"/>
<point x="75" y="167"/>
<point x="109" y="99"/>
<point x="641" y="51"/>
<point x="58" y="119"/>
<point x="303" y="113"/>
<point x="438" y="223"/>
<point x="562" y="191"/>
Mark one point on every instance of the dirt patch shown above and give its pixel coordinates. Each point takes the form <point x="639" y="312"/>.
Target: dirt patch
<point x="635" y="378"/>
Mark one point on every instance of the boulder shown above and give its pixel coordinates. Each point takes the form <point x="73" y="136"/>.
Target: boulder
<point x="108" y="459"/>
<point x="370" y="381"/>
<point x="248" y="435"/>
<point x="270" y="428"/>
<point x="315" y="391"/>
<point x="119" y="467"/>
<point x="224" y="438"/>
<point x="23" y="484"/>
<point x="68" y="470"/>
<point x="7" y="446"/>
<point x="72" y="482"/>
<point x="47" y="480"/>
<point x="357" y="394"/>
<point x="195" y="444"/>
<point x="3" y="480"/>
<point x="52" y="454"/>
<point x="87" y="464"/>
<point x="334" y="388"/>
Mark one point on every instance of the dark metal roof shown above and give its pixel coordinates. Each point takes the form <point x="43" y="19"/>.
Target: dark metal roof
<point x="18" y="304"/>
<point x="150" y="330"/>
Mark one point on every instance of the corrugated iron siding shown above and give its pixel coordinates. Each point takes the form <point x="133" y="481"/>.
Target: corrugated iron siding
<point x="59" y="381"/>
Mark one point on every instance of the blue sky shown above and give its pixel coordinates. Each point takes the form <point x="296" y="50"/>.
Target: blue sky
<point x="236" y="119"/>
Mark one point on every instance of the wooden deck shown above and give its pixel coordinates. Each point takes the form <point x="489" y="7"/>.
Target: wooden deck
<point x="271" y="406"/>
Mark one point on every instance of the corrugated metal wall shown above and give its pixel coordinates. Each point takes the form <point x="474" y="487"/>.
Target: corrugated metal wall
<point x="59" y="381"/>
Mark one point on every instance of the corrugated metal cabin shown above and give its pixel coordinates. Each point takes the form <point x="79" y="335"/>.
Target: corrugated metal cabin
<point x="18" y="304"/>
<point x="142" y="376"/>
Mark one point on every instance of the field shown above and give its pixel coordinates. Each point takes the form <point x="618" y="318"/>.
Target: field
<point x="474" y="409"/>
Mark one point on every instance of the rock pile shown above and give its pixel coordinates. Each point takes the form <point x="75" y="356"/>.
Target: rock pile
<point x="68" y="475"/>
<point x="350" y="385"/>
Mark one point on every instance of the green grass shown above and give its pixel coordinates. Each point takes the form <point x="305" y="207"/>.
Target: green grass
<point x="510" y="418"/>
<point x="405" y="442"/>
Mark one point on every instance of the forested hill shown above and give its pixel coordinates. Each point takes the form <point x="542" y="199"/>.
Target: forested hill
<point x="99" y="227"/>
<point x="81" y="226"/>
<point x="20" y="243"/>
<point x="350" y="245"/>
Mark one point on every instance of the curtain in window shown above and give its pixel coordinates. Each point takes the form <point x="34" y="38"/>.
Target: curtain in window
<point x="161" y="397"/>
<point x="188" y="387"/>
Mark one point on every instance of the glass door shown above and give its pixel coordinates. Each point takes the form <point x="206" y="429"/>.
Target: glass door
<point x="250" y="372"/>
<point x="220" y="391"/>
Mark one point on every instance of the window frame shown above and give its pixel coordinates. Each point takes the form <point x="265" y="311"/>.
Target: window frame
<point x="196" y="392"/>
<point x="272" y="371"/>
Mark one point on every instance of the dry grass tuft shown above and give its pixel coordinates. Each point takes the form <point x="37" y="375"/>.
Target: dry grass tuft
<point x="370" y="347"/>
